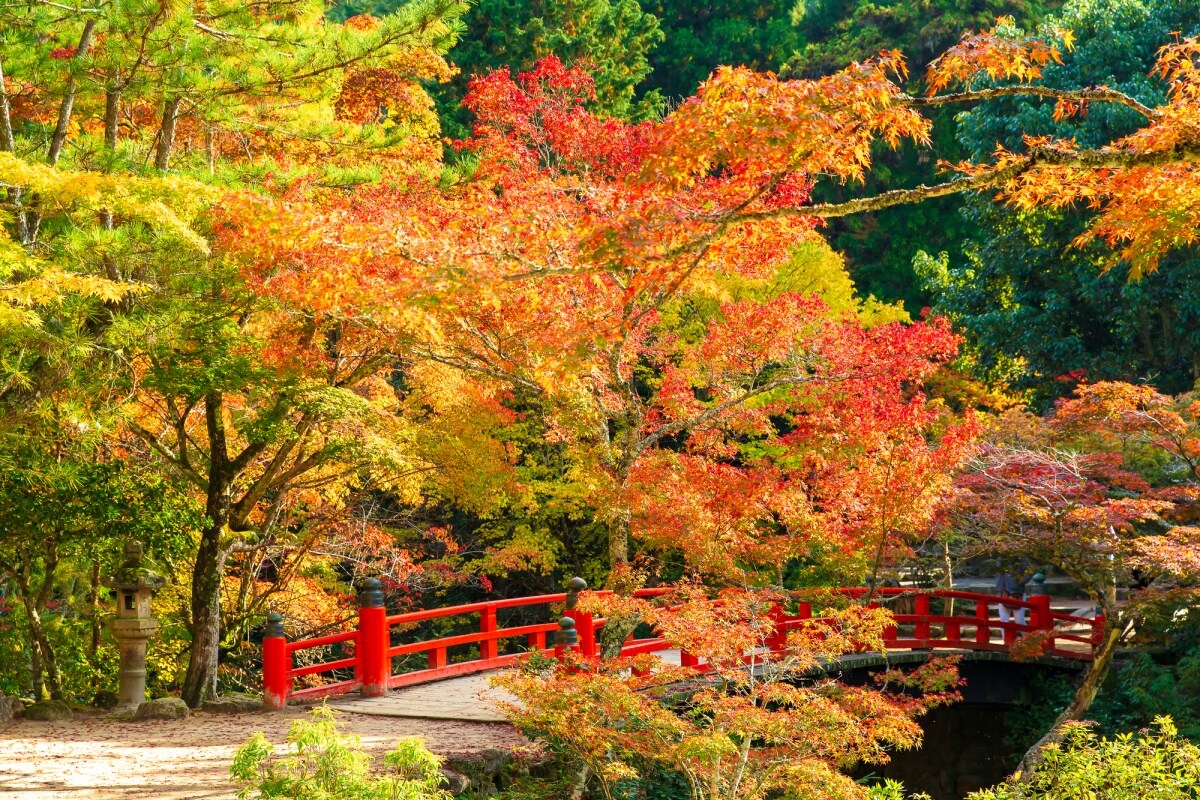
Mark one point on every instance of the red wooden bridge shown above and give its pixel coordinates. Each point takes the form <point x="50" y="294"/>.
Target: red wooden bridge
<point x="938" y="620"/>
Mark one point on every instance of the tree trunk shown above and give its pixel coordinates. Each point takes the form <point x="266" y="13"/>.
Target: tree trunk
<point x="94" y="608"/>
<point x="48" y="677"/>
<point x="7" y="142"/>
<point x="166" y="134"/>
<point x="8" y="145"/>
<point x="948" y="571"/>
<point x="618" y="542"/>
<point x="112" y="107"/>
<point x="1080" y="704"/>
<point x="61" y="127"/>
<point x="37" y="676"/>
<point x="200" y="682"/>
<point x="112" y="114"/>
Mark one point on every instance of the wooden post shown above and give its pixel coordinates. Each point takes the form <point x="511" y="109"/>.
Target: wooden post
<point x="776" y="640"/>
<point x="585" y="625"/>
<point x="488" y="648"/>
<point x="892" y="632"/>
<point x="803" y="613"/>
<point x="1042" y="616"/>
<point x="277" y="665"/>
<point x="374" y="664"/>
<point x="983" y="631"/>
<point x="953" y="629"/>
<point x="921" y="608"/>
<point x="437" y="658"/>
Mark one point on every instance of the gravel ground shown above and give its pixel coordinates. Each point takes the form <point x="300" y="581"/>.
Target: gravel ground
<point x="187" y="759"/>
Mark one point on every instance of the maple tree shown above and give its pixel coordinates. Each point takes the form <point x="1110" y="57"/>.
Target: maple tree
<point x="1067" y="492"/>
<point x="650" y="212"/>
<point x="739" y="726"/>
<point x="1033" y="311"/>
<point x="648" y="339"/>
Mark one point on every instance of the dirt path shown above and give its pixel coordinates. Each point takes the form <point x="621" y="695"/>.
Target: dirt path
<point x="188" y="759"/>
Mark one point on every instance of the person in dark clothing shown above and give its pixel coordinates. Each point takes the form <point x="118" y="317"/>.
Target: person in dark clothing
<point x="1010" y="585"/>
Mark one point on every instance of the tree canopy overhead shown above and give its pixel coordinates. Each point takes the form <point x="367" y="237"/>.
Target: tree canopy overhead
<point x="247" y="279"/>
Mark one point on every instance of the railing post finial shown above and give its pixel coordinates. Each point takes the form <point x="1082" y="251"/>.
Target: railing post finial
<point x="274" y="627"/>
<point x="370" y="594"/>
<point x="1043" y="615"/>
<point x="566" y="636"/>
<point x="574" y="587"/>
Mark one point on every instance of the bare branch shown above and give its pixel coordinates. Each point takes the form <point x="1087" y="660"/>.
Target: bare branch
<point x="1102" y="158"/>
<point x="1101" y="94"/>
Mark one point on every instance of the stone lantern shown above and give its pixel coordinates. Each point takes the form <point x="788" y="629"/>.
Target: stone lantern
<point x="133" y="625"/>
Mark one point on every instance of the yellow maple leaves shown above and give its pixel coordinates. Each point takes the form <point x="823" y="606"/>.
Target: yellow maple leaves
<point x="996" y="54"/>
<point x="31" y="280"/>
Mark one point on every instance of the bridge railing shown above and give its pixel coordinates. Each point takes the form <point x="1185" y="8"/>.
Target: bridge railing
<point x="917" y="626"/>
<point x="372" y="653"/>
<point x="974" y="631"/>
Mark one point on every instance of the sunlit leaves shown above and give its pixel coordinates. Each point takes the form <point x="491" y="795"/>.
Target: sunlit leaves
<point x="997" y="54"/>
<point x="746" y="725"/>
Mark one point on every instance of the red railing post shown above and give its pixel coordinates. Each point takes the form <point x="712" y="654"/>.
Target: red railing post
<point x="1042" y="616"/>
<point x="953" y="629"/>
<point x="892" y="632"/>
<point x="803" y="614"/>
<point x="983" y="631"/>
<point x="437" y="658"/>
<point x="488" y="648"/>
<point x="371" y="650"/>
<point x="585" y="625"/>
<point x="277" y="665"/>
<point x="776" y="640"/>
<point x="921" y="609"/>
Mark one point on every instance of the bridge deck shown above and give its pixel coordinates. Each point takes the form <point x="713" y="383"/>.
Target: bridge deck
<point x="470" y="699"/>
<point x="452" y="699"/>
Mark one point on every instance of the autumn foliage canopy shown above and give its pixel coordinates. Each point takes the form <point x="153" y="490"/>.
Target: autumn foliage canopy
<point x="259" y="280"/>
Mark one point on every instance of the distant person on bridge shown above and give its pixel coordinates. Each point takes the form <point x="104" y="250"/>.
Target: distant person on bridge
<point x="1009" y="585"/>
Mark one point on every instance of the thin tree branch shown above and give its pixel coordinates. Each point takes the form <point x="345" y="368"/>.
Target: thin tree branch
<point x="1103" y="158"/>
<point x="1092" y="94"/>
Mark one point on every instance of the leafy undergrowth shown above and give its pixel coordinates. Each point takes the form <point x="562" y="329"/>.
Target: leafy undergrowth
<point x="320" y="762"/>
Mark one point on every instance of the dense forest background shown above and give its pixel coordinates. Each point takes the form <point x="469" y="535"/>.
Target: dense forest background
<point x="404" y="470"/>
<point x="1038" y="313"/>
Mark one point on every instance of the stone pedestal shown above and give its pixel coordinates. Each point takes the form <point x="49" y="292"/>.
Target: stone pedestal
<point x="131" y="636"/>
<point x="133" y="625"/>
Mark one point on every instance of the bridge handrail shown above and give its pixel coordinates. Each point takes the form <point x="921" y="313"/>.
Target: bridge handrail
<point x="373" y="652"/>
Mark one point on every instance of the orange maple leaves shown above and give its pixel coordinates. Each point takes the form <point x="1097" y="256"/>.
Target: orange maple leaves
<point x="1061" y="493"/>
<point x="997" y="55"/>
<point x="744" y="725"/>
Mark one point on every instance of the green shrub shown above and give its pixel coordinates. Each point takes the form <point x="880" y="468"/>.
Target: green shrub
<point x="322" y="763"/>
<point x="1155" y="763"/>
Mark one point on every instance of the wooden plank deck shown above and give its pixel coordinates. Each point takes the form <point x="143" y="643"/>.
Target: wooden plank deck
<point x="466" y="699"/>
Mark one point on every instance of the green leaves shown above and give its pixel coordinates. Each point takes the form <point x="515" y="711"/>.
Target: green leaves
<point x="322" y="763"/>
<point x="1155" y="764"/>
